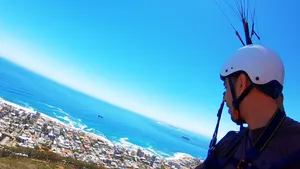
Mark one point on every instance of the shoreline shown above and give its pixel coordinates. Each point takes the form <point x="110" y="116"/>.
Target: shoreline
<point x="32" y="111"/>
<point x="111" y="143"/>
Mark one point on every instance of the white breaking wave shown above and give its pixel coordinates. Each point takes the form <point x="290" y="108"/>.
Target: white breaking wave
<point x="48" y="105"/>
<point x="89" y="129"/>
<point x="124" y="142"/>
<point x="56" y="109"/>
<point x="179" y="156"/>
<point x="66" y="118"/>
<point x="27" y="109"/>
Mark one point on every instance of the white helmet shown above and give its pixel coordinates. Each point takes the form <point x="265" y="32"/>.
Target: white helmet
<point x="261" y="64"/>
<point x="264" y="68"/>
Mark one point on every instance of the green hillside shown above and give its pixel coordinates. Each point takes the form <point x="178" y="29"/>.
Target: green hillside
<point x="23" y="158"/>
<point x="26" y="163"/>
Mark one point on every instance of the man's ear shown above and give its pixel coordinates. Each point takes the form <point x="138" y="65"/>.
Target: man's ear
<point x="241" y="84"/>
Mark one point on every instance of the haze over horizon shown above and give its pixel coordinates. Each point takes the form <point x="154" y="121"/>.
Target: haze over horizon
<point x="159" y="59"/>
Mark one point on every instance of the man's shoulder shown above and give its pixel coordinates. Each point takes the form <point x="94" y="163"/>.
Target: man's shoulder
<point x="229" y="136"/>
<point x="289" y="132"/>
<point x="287" y="143"/>
<point x="228" y="140"/>
<point x="289" y="135"/>
<point x="290" y="127"/>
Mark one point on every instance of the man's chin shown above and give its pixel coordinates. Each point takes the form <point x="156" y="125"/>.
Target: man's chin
<point x="232" y="118"/>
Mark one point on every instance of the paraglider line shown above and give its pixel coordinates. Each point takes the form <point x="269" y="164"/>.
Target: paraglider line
<point x="225" y="15"/>
<point x="236" y="32"/>
<point x="233" y="9"/>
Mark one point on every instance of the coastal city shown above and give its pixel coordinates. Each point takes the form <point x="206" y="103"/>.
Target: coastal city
<point x="20" y="127"/>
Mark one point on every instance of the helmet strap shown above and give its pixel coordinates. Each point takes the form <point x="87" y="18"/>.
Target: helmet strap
<point x="237" y="101"/>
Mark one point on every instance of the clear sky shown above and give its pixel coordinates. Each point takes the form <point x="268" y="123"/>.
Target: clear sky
<point x="160" y="58"/>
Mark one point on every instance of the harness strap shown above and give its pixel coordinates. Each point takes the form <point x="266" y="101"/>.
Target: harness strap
<point x="237" y="101"/>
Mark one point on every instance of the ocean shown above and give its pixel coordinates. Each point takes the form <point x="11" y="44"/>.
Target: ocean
<point x="28" y="89"/>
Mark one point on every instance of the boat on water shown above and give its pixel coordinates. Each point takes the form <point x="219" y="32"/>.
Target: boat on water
<point x="185" y="138"/>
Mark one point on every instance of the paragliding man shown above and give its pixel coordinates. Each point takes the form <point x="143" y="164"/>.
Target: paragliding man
<point x="253" y="77"/>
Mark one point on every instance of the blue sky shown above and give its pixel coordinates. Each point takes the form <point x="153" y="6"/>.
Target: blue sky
<point x="158" y="58"/>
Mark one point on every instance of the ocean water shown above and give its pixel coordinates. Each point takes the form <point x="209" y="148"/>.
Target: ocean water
<point x="31" y="90"/>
